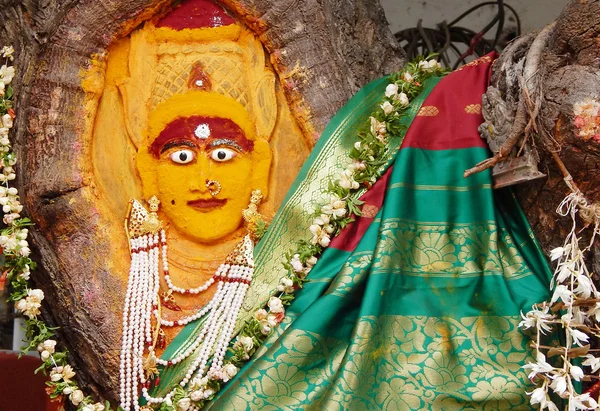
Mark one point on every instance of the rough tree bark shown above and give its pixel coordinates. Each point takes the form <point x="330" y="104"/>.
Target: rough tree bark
<point x="322" y="51"/>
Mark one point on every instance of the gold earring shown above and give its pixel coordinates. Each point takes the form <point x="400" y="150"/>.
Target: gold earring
<point x="141" y="222"/>
<point x="256" y="223"/>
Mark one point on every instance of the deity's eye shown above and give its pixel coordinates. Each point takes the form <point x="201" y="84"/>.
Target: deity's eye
<point x="182" y="156"/>
<point x="222" y="154"/>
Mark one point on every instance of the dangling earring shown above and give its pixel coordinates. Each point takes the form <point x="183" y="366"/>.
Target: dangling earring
<point x="214" y="187"/>
<point x="255" y="222"/>
<point x="146" y="238"/>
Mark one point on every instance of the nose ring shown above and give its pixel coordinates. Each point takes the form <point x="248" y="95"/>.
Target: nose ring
<point x="214" y="187"/>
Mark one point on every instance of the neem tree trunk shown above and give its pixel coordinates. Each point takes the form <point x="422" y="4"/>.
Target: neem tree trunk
<point x="322" y="52"/>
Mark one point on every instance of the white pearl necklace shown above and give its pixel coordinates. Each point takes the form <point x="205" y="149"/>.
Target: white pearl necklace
<point x="141" y="302"/>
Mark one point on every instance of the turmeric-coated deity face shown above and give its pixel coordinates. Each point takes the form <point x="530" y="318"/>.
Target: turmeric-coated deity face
<point x="202" y="160"/>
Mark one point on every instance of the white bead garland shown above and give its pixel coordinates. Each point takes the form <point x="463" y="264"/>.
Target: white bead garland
<point x="141" y="303"/>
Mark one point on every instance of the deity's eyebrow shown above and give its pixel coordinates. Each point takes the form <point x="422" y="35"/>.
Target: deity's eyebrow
<point x="225" y="142"/>
<point x="177" y="143"/>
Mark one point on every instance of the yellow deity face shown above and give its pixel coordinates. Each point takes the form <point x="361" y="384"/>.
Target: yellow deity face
<point x="202" y="160"/>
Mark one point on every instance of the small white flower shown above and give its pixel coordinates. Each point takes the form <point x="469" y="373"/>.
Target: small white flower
<point x="579" y="337"/>
<point x="197" y="395"/>
<point x="88" y="407"/>
<point x="286" y="285"/>
<point x="67" y="390"/>
<point x="539" y="367"/>
<point x="246" y="342"/>
<point x="322" y="220"/>
<point x="357" y="145"/>
<point x="346" y="180"/>
<point x="565" y="271"/>
<point x="311" y="261"/>
<point x="208" y="392"/>
<point x="357" y="165"/>
<point x="266" y="329"/>
<point x="378" y="129"/>
<point x="556" y="253"/>
<point x="430" y="65"/>
<point x="387" y="108"/>
<point x="261" y="314"/>
<point x="48" y="345"/>
<point x="538" y="395"/>
<point x="593" y="362"/>
<point x="576" y="373"/>
<point x="406" y="76"/>
<point x="537" y="319"/>
<point x="62" y="373"/>
<point x="7" y="73"/>
<point x="403" y="99"/>
<point x="229" y="371"/>
<point x="336" y="207"/>
<point x="320" y="236"/>
<point x="45" y="355"/>
<point x="7" y="121"/>
<point x="276" y="305"/>
<point x="272" y="320"/>
<point x="296" y="263"/>
<point x="391" y="90"/>
<point x="558" y="384"/>
<point x="7" y="52"/>
<point x="35" y="295"/>
<point x="563" y="293"/>
<point x="582" y="402"/>
<point x="99" y="407"/>
<point x="76" y="397"/>
<point x="184" y="404"/>
<point x="584" y="287"/>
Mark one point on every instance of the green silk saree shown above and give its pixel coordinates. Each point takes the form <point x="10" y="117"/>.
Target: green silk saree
<point x="416" y="304"/>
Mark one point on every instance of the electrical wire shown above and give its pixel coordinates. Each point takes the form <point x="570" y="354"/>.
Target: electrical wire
<point x="450" y="38"/>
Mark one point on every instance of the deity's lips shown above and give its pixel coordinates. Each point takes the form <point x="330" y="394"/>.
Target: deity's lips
<point x="207" y="205"/>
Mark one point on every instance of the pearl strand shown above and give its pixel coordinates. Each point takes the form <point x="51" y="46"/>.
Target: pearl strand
<point x="124" y="394"/>
<point x="242" y="273"/>
<point x="186" y="320"/>
<point x="180" y="290"/>
<point x="209" y="328"/>
<point x="222" y="312"/>
<point x="179" y="358"/>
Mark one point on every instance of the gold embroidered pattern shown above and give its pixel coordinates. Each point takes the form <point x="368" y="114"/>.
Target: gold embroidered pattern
<point x="430" y="249"/>
<point x="393" y="363"/>
<point x="352" y="273"/>
<point x="369" y="210"/>
<point x="428" y="111"/>
<point x="473" y="109"/>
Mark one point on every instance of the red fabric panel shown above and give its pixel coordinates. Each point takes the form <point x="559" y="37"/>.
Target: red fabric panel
<point x="348" y="238"/>
<point x="451" y="113"/>
<point x="448" y="119"/>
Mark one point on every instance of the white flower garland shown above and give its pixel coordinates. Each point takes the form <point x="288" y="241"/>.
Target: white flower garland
<point x="575" y="308"/>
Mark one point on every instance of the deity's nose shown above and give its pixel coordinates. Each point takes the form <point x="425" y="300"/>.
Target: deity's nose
<point x="197" y="182"/>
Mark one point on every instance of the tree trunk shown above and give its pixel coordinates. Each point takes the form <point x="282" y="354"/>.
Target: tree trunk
<point x="322" y="52"/>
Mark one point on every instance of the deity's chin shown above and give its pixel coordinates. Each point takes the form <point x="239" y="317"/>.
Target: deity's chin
<point x="207" y="226"/>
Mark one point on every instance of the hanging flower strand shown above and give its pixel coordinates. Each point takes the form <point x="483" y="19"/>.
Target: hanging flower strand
<point x="575" y="308"/>
<point x="340" y="205"/>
